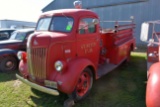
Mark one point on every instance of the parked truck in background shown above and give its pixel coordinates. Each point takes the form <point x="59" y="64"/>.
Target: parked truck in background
<point x="69" y="50"/>
<point x="150" y="33"/>
<point x="5" y="33"/>
<point x="10" y="47"/>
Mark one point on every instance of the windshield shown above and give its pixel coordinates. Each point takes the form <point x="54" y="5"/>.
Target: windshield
<point x="18" y="36"/>
<point x="61" y="24"/>
<point x="43" y="24"/>
<point x="58" y="24"/>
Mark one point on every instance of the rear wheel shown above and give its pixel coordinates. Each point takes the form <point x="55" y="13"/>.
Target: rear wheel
<point x="8" y="64"/>
<point x="83" y="86"/>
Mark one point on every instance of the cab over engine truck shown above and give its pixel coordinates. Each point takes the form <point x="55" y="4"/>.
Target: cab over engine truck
<point x="153" y="61"/>
<point x="69" y="50"/>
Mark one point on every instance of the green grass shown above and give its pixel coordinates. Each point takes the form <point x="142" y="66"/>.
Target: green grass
<point x="123" y="87"/>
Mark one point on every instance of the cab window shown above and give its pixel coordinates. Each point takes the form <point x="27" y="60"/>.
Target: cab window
<point x="86" y="26"/>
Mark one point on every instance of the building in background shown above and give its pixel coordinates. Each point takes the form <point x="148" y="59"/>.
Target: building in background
<point x="114" y="10"/>
<point x="14" y="24"/>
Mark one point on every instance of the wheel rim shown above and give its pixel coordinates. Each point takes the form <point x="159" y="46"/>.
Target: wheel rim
<point x="83" y="84"/>
<point x="9" y="64"/>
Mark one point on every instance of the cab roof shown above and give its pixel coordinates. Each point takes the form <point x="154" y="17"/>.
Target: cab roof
<point x="25" y="30"/>
<point x="7" y="29"/>
<point x="68" y="12"/>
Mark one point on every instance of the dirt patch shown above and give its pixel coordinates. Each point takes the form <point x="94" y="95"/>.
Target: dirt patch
<point x="17" y="83"/>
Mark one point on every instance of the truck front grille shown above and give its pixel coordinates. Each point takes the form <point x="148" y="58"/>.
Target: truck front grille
<point x="37" y="63"/>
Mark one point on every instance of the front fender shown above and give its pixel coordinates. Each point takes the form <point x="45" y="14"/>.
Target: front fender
<point x="6" y="52"/>
<point x="153" y="86"/>
<point x="23" y="68"/>
<point x="68" y="80"/>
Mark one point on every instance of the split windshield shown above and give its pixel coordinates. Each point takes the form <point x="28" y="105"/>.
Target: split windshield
<point x="57" y="24"/>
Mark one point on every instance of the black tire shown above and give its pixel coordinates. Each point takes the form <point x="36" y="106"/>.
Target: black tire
<point x="8" y="64"/>
<point x="76" y="94"/>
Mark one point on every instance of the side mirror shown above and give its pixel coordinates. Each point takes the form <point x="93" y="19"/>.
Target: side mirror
<point x="144" y="32"/>
<point x="95" y="21"/>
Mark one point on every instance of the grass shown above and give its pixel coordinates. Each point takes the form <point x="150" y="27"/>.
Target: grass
<point x="123" y="87"/>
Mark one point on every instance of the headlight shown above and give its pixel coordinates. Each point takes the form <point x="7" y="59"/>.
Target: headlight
<point x="21" y="55"/>
<point x="58" y="66"/>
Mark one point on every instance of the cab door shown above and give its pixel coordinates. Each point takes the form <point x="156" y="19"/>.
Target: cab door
<point x="88" y="38"/>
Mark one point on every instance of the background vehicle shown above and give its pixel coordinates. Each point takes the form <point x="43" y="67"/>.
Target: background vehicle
<point x="10" y="47"/>
<point x="153" y="61"/>
<point x="5" y="33"/>
<point x="68" y="51"/>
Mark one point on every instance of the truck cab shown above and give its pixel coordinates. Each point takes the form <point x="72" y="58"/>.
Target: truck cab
<point x="150" y="34"/>
<point x="69" y="50"/>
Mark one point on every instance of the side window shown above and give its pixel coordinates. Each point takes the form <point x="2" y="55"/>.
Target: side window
<point x="4" y="35"/>
<point x="86" y="26"/>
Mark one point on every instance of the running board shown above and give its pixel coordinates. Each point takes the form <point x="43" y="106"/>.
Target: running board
<point x="107" y="67"/>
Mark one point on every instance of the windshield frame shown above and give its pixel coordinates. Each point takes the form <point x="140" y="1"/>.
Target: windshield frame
<point x="50" y="24"/>
<point x="39" y="22"/>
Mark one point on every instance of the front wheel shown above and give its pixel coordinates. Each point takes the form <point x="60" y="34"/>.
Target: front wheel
<point x="83" y="86"/>
<point x="8" y="64"/>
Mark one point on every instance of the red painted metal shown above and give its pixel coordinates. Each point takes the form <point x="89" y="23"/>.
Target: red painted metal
<point x="152" y="49"/>
<point x="24" y="56"/>
<point x="23" y="68"/>
<point x="83" y="84"/>
<point x="153" y="66"/>
<point x="76" y="52"/>
<point x="71" y="75"/>
<point x="153" y="86"/>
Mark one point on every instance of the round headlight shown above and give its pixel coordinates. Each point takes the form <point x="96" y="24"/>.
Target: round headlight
<point x="22" y="55"/>
<point x="19" y="55"/>
<point x="58" y="66"/>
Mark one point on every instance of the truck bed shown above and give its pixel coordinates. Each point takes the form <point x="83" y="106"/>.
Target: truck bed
<point x="117" y="42"/>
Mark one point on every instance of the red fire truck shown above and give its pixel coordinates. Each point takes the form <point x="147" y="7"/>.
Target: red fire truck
<point x="69" y="50"/>
<point x="153" y="61"/>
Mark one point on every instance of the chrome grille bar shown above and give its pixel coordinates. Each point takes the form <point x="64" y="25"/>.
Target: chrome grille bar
<point x="36" y="59"/>
<point x="29" y="56"/>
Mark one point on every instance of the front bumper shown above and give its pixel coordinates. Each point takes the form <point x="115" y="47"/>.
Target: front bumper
<point x="38" y="87"/>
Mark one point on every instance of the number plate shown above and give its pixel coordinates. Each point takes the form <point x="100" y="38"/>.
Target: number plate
<point x="50" y="84"/>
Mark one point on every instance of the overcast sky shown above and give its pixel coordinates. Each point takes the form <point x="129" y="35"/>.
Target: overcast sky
<point x="24" y="10"/>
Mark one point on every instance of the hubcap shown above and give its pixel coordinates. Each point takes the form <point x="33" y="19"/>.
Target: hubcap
<point x="83" y="84"/>
<point x="9" y="64"/>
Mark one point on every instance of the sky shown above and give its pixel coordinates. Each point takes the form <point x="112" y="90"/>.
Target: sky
<point x="23" y="10"/>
